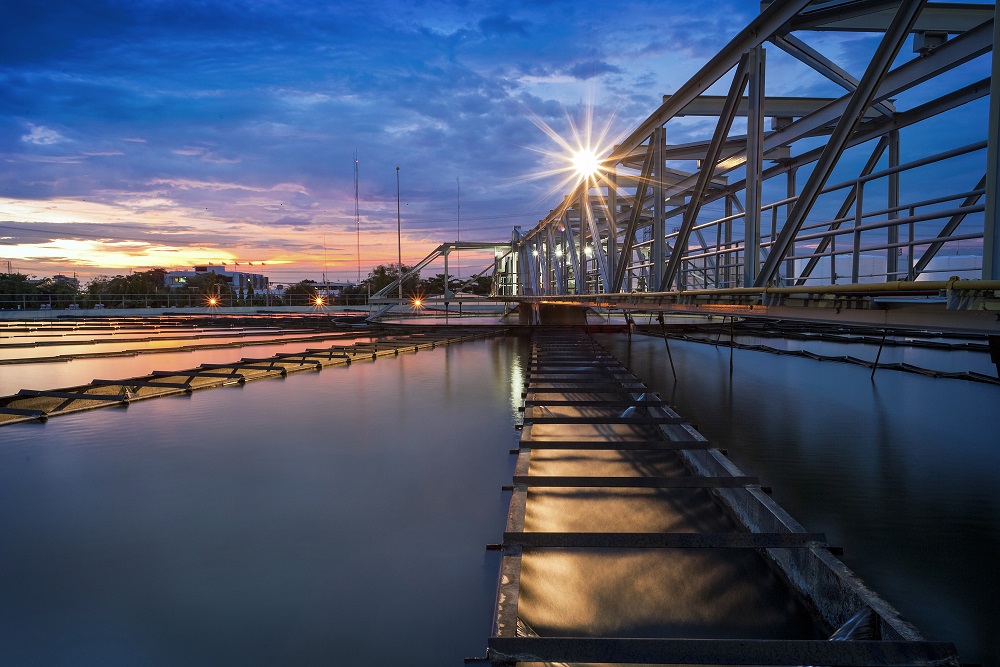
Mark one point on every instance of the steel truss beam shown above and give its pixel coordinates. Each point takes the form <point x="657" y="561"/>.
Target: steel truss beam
<point x="727" y="115"/>
<point x="606" y="238"/>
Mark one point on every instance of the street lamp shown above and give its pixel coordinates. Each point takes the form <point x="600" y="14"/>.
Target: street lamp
<point x="399" y="239"/>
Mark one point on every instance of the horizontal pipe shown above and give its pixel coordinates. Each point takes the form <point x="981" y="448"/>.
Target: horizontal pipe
<point x="901" y="286"/>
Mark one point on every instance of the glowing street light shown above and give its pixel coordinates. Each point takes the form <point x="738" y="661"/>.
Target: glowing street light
<point x="318" y="301"/>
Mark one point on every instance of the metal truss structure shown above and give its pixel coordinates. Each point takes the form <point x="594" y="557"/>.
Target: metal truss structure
<point x="385" y="301"/>
<point x="817" y="206"/>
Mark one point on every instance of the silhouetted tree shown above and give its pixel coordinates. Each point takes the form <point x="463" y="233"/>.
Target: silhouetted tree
<point x="435" y="285"/>
<point x="16" y="291"/>
<point x="301" y="294"/>
<point x="384" y="274"/>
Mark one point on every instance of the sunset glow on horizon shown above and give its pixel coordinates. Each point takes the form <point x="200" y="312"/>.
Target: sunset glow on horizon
<point x="164" y="135"/>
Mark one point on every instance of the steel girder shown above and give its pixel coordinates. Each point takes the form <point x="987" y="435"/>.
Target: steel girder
<point x="728" y="113"/>
<point x="621" y="229"/>
<point x="991" y="237"/>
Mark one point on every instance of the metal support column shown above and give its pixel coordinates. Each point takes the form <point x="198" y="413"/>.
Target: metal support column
<point x="730" y="256"/>
<point x="635" y="214"/>
<point x="658" y="258"/>
<point x="581" y="262"/>
<point x="754" y="166"/>
<point x="789" y="193"/>
<point x="991" y="221"/>
<point x="572" y="259"/>
<point x="590" y="220"/>
<point x="535" y="263"/>
<point x="525" y="282"/>
<point x="446" y="295"/>
<point x="557" y="267"/>
<point x="612" y="203"/>
<point x="892" y="253"/>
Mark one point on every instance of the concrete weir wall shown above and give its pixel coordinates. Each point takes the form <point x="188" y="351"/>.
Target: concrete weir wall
<point x="552" y="314"/>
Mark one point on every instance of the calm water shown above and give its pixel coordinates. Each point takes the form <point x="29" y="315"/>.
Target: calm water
<point x="904" y="473"/>
<point x="340" y="517"/>
<point x="337" y="517"/>
<point x="49" y="375"/>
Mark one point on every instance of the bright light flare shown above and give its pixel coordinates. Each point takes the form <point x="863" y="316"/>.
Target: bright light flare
<point x="577" y="157"/>
<point x="586" y="163"/>
<point x="318" y="301"/>
<point x="418" y="302"/>
<point x="212" y="301"/>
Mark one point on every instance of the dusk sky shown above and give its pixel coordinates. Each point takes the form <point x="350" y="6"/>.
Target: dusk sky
<point x="155" y="133"/>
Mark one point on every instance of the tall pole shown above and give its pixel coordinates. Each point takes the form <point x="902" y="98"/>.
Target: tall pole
<point x="458" y="231"/>
<point x="399" y="238"/>
<point x="357" y="213"/>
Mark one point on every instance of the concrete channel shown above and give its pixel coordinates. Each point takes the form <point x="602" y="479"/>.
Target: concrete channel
<point x="630" y="539"/>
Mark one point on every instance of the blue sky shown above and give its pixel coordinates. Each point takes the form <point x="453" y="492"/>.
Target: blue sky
<point x="147" y="133"/>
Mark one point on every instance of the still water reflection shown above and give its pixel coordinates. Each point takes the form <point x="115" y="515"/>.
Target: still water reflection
<point x="902" y="472"/>
<point x="50" y="375"/>
<point x="327" y="518"/>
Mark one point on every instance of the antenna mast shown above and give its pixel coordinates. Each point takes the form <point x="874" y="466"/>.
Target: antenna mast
<point x="357" y="212"/>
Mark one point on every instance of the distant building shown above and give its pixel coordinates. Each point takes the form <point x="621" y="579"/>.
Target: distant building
<point x="72" y="281"/>
<point x="240" y="280"/>
<point x="333" y="288"/>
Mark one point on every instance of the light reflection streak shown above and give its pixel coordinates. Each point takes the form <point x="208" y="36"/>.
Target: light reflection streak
<point x="655" y="592"/>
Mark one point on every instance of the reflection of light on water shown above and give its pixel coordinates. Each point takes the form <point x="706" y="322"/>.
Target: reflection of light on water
<point x="696" y="593"/>
<point x="261" y="483"/>
<point x="51" y="375"/>
<point x="622" y="510"/>
<point x="516" y="383"/>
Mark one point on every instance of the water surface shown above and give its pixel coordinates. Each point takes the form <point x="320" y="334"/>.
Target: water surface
<point x="902" y="472"/>
<point x="337" y="517"/>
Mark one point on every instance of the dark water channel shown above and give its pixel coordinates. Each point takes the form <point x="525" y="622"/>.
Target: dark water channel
<point x="903" y="472"/>
<point x="334" y="518"/>
<point x="340" y="517"/>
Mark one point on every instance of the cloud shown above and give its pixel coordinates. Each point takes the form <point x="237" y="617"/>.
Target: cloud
<point x="292" y="221"/>
<point x="216" y="186"/>
<point x="204" y="154"/>
<point x="591" y="69"/>
<point x="501" y="25"/>
<point x="244" y="116"/>
<point x="41" y="136"/>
